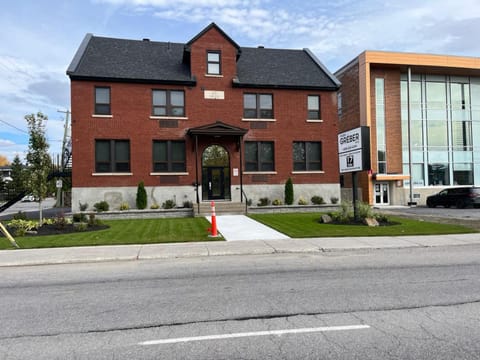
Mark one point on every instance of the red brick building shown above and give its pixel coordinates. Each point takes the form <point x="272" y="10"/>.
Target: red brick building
<point x="199" y="121"/>
<point x="442" y="95"/>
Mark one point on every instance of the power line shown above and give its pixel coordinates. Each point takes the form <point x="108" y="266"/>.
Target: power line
<point x="13" y="126"/>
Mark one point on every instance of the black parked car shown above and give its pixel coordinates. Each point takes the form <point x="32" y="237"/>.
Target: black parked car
<point x="460" y="197"/>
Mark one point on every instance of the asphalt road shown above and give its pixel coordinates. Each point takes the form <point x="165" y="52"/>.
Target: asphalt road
<point x="391" y="304"/>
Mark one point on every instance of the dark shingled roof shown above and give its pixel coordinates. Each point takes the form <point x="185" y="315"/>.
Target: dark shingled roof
<point x="261" y="67"/>
<point x="132" y="60"/>
<point x="161" y="62"/>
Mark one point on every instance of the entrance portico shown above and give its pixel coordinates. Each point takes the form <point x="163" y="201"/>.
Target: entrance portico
<point x="218" y="151"/>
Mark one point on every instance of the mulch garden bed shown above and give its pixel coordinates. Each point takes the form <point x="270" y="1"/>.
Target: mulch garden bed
<point x="53" y="229"/>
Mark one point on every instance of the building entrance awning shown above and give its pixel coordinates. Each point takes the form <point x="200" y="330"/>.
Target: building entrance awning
<point x="217" y="129"/>
<point x="390" y="177"/>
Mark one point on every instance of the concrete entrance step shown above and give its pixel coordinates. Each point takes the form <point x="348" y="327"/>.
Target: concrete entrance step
<point x="221" y="208"/>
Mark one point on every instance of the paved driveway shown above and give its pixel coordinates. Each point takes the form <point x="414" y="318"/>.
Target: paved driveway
<point x="31" y="209"/>
<point x="469" y="213"/>
<point x="469" y="217"/>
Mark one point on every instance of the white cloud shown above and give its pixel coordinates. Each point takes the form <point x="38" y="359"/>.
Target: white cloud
<point x="6" y="143"/>
<point x="338" y="30"/>
<point x="28" y="88"/>
<point x="167" y="3"/>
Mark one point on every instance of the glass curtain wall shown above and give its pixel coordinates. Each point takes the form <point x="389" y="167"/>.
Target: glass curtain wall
<point x="445" y="117"/>
<point x="380" y="125"/>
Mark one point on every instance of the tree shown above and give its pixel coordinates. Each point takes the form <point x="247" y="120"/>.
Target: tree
<point x="38" y="160"/>
<point x="3" y="161"/>
<point x="289" y="192"/>
<point x="141" y="196"/>
<point x="17" y="185"/>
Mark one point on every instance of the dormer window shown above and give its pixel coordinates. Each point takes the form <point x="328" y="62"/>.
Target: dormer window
<point x="313" y="104"/>
<point x="102" y="101"/>
<point x="213" y="63"/>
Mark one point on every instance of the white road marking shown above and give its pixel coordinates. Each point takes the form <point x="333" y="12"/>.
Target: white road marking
<point x="256" y="333"/>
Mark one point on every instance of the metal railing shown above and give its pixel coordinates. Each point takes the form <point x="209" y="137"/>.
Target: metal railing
<point x="246" y="201"/>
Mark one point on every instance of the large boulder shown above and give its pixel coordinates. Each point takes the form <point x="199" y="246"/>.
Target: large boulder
<point x="326" y="219"/>
<point x="371" y="222"/>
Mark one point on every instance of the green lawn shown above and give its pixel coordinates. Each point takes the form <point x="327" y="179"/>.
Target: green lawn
<point x="300" y="225"/>
<point x="148" y="231"/>
<point x="296" y="225"/>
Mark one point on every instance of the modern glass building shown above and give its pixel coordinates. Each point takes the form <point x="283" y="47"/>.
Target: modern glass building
<point x="423" y="112"/>
<point x="444" y="116"/>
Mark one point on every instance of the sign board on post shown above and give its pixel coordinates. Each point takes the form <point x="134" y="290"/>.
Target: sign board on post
<point x="354" y="156"/>
<point x="354" y="150"/>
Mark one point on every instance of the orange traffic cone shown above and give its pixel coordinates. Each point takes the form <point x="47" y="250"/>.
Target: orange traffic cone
<point x="213" y="229"/>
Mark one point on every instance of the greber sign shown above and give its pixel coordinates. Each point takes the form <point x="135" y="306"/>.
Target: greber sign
<point x="354" y="150"/>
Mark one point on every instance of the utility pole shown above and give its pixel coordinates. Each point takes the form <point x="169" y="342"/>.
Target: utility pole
<point x="63" y="157"/>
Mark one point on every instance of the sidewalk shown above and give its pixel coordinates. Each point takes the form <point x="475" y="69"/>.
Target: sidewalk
<point x="241" y="227"/>
<point x="216" y="248"/>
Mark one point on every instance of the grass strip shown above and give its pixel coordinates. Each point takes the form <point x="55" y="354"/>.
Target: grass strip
<point x="123" y="232"/>
<point x="301" y="225"/>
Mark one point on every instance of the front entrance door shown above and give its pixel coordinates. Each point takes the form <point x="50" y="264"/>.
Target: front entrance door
<point x="215" y="173"/>
<point x="216" y="183"/>
<point x="381" y="194"/>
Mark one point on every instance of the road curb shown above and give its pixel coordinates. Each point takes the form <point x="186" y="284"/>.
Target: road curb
<point x="89" y="254"/>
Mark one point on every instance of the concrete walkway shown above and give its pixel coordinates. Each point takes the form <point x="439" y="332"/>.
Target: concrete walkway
<point x="241" y="227"/>
<point x="218" y="248"/>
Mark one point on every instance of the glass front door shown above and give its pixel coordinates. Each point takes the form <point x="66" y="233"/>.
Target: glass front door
<point x="381" y="194"/>
<point x="215" y="173"/>
<point x="216" y="183"/>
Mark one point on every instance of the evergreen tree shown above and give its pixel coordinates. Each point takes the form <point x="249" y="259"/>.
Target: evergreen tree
<point x="17" y="185"/>
<point x="289" y="192"/>
<point x="141" y="196"/>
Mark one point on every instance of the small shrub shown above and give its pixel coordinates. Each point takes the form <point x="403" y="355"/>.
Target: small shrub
<point x="101" y="206"/>
<point x="20" y="227"/>
<point x="249" y="202"/>
<point x="60" y="221"/>
<point x="83" y="207"/>
<point x="48" y="221"/>
<point x="334" y="200"/>
<point x="265" y="201"/>
<point x="124" y="206"/>
<point x="364" y="210"/>
<point x="187" y="204"/>
<point x="289" y="192"/>
<point x="79" y="217"/>
<point x="317" y="200"/>
<point x="20" y="216"/>
<point x="344" y="215"/>
<point x="81" y="226"/>
<point x="277" y="202"/>
<point x="141" y="200"/>
<point x="154" y="206"/>
<point x="302" y="201"/>
<point x="91" y="219"/>
<point x="382" y="218"/>
<point x="168" y="204"/>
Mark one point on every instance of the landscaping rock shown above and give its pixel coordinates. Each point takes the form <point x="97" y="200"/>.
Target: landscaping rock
<point x="371" y="222"/>
<point x="326" y="219"/>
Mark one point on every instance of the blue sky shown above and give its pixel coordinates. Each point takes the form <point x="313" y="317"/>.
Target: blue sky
<point x="39" y="38"/>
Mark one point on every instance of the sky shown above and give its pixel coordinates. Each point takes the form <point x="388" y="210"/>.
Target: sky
<point x="38" y="40"/>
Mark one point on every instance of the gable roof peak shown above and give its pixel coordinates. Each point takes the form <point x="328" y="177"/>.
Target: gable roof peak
<point x="207" y="29"/>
